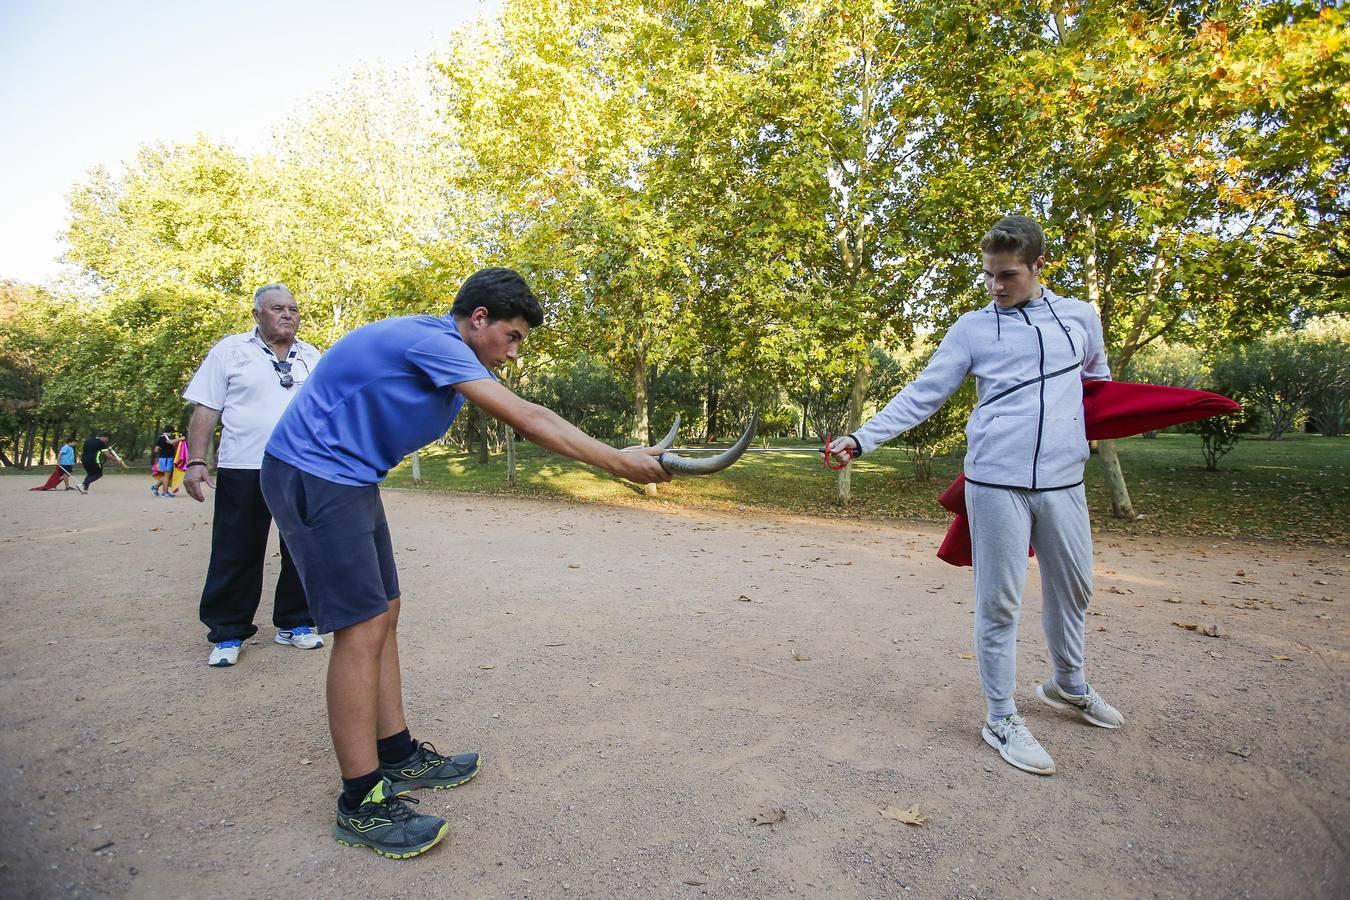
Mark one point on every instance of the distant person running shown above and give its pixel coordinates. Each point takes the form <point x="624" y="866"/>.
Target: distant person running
<point x="383" y="391"/>
<point x="91" y="457"/>
<point x="1030" y="352"/>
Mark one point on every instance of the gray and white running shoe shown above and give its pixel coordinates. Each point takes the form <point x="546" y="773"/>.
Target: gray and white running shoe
<point x="1089" y="707"/>
<point x="1015" y="743"/>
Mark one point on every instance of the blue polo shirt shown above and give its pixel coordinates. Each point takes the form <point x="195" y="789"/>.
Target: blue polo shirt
<point x="380" y="393"/>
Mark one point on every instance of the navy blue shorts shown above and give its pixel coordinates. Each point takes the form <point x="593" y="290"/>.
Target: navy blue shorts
<point x="339" y="541"/>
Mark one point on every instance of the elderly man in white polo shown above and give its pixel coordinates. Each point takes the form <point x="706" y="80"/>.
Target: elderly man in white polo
<point x="244" y="385"/>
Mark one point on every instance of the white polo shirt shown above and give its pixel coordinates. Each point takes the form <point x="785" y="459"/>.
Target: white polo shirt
<point x="238" y="379"/>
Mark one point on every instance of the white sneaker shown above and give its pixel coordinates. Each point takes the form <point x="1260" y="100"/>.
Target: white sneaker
<point x="1014" y="742"/>
<point x="226" y="653"/>
<point x="302" y="637"/>
<point x="1090" y="707"/>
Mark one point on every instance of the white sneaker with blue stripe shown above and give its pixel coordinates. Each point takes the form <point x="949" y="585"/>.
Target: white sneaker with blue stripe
<point x="225" y="653"/>
<point x="302" y="637"/>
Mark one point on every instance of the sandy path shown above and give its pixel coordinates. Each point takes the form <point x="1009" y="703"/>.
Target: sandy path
<point x="634" y="714"/>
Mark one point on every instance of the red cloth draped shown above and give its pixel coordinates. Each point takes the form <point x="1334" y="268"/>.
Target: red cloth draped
<point x="51" y="482"/>
<point x="1111" y="409"/>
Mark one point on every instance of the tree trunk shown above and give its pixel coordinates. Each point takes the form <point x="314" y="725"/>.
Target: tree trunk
<point x="710" y="404"/>
<point x="513" y="377"/>
<point x="642" y="425"/>
<point x="1121" y="507"/>
<point x="27" y="457"/>
<point x="855" y="403"/>
<point x="480" y="419"/>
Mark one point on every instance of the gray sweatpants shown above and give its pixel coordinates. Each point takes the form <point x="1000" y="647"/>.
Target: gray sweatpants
<point x="1003" y="523"/>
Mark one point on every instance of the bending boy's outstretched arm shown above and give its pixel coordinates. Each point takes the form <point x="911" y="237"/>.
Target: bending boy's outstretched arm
<point x="542" y="426"/>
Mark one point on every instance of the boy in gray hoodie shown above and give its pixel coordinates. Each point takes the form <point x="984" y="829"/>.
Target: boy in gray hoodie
<point x="1030" y="352"/>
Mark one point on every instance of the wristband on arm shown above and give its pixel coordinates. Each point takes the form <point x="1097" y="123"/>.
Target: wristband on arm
<point x="857" y="444"/>
<point x="196" y="462"/>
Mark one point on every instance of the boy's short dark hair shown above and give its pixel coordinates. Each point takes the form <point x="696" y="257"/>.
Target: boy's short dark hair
<point x="502" y="292"/>
<point x="1015" y="234"/>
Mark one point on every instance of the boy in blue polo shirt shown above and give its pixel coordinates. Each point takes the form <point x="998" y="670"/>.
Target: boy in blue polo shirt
<point x="66" y="461"/>
<point x="380" y="393"/>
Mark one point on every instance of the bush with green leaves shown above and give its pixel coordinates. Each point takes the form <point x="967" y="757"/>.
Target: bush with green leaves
<point x="1287" y="373"/>
<point x="1219" y="435"/>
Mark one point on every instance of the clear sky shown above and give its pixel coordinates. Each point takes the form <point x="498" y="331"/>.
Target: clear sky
<point x="86" y="82"/>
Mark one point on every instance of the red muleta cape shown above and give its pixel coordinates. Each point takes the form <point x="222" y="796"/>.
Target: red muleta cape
<point x="1111" y="409"/>
<point x="51" y="482"/>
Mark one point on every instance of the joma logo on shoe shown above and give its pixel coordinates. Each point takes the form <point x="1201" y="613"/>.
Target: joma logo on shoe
<point x="363" y="827"/>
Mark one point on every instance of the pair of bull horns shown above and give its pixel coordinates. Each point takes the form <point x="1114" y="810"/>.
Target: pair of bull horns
<point x="678" y="465"/>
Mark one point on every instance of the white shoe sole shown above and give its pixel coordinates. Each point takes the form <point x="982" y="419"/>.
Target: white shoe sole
<point x="992" y="740"/>
<point x="223" y="663"/>
<point x="1082" y="714"/>
<point x="285" y="643"/>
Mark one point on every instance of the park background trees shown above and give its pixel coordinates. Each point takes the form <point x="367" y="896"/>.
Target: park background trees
<point x="726" y="205"/>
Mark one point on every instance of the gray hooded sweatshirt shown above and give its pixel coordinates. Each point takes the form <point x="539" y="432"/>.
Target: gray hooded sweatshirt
<point x="1029" y="365"/>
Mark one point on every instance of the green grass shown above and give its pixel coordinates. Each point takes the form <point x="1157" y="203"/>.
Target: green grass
<point x="1295" y="489"/>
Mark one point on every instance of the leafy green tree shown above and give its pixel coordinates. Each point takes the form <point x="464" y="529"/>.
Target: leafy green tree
<point x="1329" y="407"/>
<point x="1284" y="374"/>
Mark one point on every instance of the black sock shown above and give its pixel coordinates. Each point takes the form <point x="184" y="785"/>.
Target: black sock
<point x="354" y="790"/>
<point x="395" y="748"/>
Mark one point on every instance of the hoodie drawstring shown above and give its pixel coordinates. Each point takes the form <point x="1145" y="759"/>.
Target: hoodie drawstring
<point x="1072" y="349"/>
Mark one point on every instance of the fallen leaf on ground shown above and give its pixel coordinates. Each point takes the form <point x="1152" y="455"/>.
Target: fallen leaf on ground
<point x="1243" y="752"/>
<point x="1281" y="656"/>
<point x="772" y="817"/>
<point x="910" y="816"/>
<point x="694" y="882"/>
<point x="967" y="655"/>
<point x="555" y="645"/>
<point x="744" y="599"/>
<point x="1114" y="590"/>
<point x="1189" y="626"/>
<point x="799" y="656"/>
<point x="487" y="667"/>
<point x="1171" y="599"/>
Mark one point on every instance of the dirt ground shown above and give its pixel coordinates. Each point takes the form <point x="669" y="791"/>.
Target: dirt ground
<point x="643" y="683"/>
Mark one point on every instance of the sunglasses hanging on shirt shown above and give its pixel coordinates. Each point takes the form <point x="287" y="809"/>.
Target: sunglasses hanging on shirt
<point x="284" y="373"/>
<point x="282" y="367"/>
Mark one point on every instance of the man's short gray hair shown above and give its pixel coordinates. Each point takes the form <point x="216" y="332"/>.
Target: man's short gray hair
<point x="274" y="286"/>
